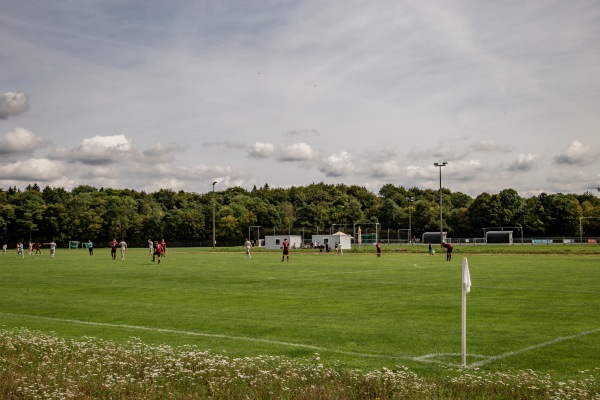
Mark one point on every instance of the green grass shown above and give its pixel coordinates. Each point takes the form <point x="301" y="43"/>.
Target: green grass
<point x="525" y="311"/>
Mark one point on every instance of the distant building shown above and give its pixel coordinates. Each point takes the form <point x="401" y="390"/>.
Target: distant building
<point x="433" y="237"/>
<point x="274" y="242"/>
<point x="338" y="237"/>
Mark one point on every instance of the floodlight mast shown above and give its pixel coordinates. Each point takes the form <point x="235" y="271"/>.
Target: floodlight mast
<point x="214" y="241"/>
<point x="440" y="165"/>
<point x="410" y="199"/>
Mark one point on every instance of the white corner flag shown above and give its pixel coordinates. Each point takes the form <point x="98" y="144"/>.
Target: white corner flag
<point x="466" y="288"/>
<point x="466" y="278"/>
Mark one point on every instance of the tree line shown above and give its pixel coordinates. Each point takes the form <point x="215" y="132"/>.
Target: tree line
<point x="87" y="213"/>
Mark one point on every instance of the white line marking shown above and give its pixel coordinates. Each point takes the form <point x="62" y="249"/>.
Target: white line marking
<point x="534" y="347"/>
<point x="204" y="334"/>
<point x="427" y="358"/>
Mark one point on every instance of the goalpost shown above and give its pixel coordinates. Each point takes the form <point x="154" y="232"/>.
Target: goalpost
<point x="73" y="244"/>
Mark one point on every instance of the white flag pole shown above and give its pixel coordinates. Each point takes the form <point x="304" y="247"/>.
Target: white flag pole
<point x="466" y="288"/>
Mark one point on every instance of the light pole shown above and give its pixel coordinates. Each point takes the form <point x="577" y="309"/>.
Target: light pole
<point x="214" y="240"/>
<point x="410" y="200"/>
<point x="440" y="165"/>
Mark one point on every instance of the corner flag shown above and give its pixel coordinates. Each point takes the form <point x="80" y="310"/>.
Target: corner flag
<point x="466" y="278"/>
<point x="466" y="288"/>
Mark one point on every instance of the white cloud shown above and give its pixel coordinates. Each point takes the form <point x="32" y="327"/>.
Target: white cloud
<point x="13" y="103"/>
<point x="577" y="154"/>
<point x="262" y="150"/>
<point x="21" y="141"/>
<point x="33" y="170"/>
<point x="300" y="152"/>
<point x="111" y="143"/>
<point x="296" y="152"/>
<point x="97" y="150"/>
<point x="337" y="165"/>
<point x="524" y="162"/>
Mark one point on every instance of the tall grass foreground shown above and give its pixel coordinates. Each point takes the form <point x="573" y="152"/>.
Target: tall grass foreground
<point x="38" y="366"/>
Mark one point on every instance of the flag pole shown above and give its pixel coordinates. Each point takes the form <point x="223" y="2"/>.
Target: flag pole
<point x="466" y="288"/>
<point x="464" y="329"/>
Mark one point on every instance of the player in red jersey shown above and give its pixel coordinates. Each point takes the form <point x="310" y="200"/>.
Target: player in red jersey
<point x="449" y="249"/>
<point x="286" y="249"/>
<point x="158" y="251"/>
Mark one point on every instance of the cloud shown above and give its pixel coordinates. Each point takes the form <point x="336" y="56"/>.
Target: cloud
<point x="337" y="165"/>
<point x="491" y="146"/>
<point x="159" y="153"/>
<point x="13" y="103"/>
<point x="33" y="170"/>
<point x="99" y="150"/>
<point x="286" y="153"/>
<point x="21" y="141"/>
<point x="387" y="169"/>
<point x="296" y="152"/>
<point x="262" y="150"/>
<point x="576" y="154"/>
<point x="524" y="162"/>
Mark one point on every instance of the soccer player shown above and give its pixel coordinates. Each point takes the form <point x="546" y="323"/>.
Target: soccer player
<point x="378" y="248"/>
<point x="248" y="248"/>
<point x="286" y="249"/>
<point x="52" y="248"/>
<point x="123" y="248"/>
<point x="20" y="249"/>
<point x="157" y="251"/>
<point x="90" y="247"/>
<point x="430" y="249"/>
<point x="163" y="246"/>
<point x="113" y="249"/>
<point x="150" y="246"/>
<point x="38" y="248"/>
<point x="338" y="249"/>
<point x="4" y="247"/>
<point x="449" y="249"/>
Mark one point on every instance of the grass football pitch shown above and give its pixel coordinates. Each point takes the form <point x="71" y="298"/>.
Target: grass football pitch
<point x="524" y="311"/>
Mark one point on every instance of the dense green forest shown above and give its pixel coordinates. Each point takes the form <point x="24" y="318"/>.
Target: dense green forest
<point x="87" y="213"/>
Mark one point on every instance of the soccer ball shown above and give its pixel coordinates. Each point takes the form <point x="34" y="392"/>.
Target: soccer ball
<point x="432" y="251"/>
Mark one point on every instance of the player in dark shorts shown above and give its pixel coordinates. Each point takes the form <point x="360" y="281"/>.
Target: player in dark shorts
<point x="163" y="245"/>
<point x="449" y="249"/>
<point x="158" y="251"/>
<point x="113" y="248"/>
<point x="286" y="249"/>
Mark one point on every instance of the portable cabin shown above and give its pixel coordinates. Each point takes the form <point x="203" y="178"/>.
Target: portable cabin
<point x="274" y="242"/>
<point x="339" y="237"/>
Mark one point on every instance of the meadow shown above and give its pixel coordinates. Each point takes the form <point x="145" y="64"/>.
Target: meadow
<point x="528" y="310"/>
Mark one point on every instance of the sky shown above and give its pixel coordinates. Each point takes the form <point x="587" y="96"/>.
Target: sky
<point x="179" y="94"/>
